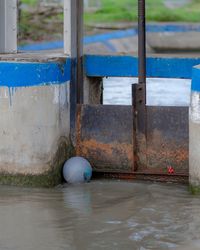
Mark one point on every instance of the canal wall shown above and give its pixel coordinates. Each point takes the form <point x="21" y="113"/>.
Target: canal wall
<point x="161" y="37"/>
<point x="35" y="119"/>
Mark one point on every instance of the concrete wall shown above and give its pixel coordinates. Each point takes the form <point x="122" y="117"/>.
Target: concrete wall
<point x="35" y="115"/>
<point x="194" y="134"/>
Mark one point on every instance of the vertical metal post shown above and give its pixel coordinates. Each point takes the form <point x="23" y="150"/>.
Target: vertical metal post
<point x="80" y="10"/>
<point x="142" y="41"/>
<point x="139" y="94"/>
<point x="8" y="26"/>
<point x="73" y="46"/>
<point x="141" y="88"/>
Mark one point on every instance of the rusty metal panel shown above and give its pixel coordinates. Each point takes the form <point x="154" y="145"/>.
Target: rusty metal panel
<point x="105" y="137"/>
<point x="167" y="140"/>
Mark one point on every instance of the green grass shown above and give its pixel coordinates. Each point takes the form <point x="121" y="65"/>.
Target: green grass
<point x="30" y="2"/>
<point x="126" y="10"/>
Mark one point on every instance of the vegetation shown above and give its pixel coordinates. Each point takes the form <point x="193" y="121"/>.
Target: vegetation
<point x="41" y="24"/>
<point x="126" y="10"/>
<point x="30" y="2"/>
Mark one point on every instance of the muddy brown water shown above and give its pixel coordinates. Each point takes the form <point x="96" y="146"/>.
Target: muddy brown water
<point x="100" y="215"/>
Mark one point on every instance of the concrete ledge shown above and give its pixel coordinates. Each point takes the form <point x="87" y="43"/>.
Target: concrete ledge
<point x="127" y="66"/>
<point x="174" y="41"/>
<point x="24" y="70"/>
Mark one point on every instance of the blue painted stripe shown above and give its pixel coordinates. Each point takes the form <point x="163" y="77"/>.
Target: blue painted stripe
<point x="196" y="79"/>
<point x="127" y="66"/>
<point x="20" y="74"/>
<point x="102" y="38"/>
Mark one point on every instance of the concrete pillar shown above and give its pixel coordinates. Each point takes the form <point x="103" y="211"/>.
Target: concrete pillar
<point x="35" y="119"/>
<point x="8" y="26"/>
<point x="194" y="133"/>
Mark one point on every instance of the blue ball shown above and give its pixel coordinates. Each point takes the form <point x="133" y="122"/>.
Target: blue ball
<point x="77" y="170"/>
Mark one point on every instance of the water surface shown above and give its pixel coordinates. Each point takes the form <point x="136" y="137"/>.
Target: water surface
<point x="160" y="92"/>
<point x="99" y="215"/>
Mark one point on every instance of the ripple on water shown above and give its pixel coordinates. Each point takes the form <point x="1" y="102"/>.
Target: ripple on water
<point x="99" y="215"/>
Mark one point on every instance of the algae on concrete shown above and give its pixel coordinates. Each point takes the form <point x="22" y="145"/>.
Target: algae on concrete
<point x="48" y="179"/>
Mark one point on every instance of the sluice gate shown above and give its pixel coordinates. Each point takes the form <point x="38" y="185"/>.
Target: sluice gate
<point x="138" y="141"/>
<point x="107" y="137"/>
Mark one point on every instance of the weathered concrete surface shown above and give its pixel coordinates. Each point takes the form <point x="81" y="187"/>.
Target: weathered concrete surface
<point x="174" y="41"/>
<point x="194" y="156"/>
<point x="194" y="151"/>
<point x="194" y="133"/>
<point x="34" y="127"/>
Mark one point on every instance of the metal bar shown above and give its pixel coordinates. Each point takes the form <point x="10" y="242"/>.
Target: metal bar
<point x="73" y="46"/>
<point x="73" y="40"/>
<point x="80" y="52"/>
<point x="142" y="41"/>
<point x="70" y="33"/>
<point x="139" y="96"/>
<point x="8" y="26"/>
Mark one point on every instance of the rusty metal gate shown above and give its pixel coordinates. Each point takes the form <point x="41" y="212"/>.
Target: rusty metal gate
<point x="138" y="141"/>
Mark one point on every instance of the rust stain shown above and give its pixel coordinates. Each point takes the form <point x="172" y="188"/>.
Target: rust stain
<point x="108" y="149"/>
<point x="161" y="149"/>
<point x="178" y="155"/>
<point x="111" y="156"/>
